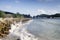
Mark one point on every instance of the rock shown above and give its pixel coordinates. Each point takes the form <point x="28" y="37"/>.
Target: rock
<point x="5" y="25"/>
<point x="18" y="39"/>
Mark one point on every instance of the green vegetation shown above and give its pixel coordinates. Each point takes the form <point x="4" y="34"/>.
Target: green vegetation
<point x="9" y="14"/>
<point x="2" y="14"/>
<point x="6" y="20"/>
<point x="17" y="15"/>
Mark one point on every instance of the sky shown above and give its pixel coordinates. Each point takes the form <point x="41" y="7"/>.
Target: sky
<point x="32" y="7"/>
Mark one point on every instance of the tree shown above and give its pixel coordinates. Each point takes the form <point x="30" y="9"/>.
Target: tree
<point x="18" y="15"/>
<point x="2" y="14"/>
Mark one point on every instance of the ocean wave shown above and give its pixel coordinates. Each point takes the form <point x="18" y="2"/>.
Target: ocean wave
<point x="18" y="31"/>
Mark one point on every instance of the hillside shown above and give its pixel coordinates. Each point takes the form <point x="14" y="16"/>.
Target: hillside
<point x="5" y="14"/>
<point x="47" y="16"/>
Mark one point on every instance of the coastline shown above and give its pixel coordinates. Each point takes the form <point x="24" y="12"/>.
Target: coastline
<point x="5" y="24"/>
<point x="20" y="32"/>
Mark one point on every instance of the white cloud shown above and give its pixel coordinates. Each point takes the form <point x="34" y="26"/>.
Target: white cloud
<point x="8" y="6"/>
<point x="41" y="11"/>
<point x="58" y="6"/>
<point x="34" y="12"/>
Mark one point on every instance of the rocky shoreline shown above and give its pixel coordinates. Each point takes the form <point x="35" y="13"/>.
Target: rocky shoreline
<point x="6" y="22"/>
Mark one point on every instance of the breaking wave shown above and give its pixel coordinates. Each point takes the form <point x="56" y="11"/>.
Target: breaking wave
<point x="19" y="31"/>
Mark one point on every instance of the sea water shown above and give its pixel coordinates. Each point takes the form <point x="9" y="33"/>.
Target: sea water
<point x="36" y="29"/>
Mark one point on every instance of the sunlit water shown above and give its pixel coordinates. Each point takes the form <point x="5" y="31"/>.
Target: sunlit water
<point x="36" y="29"/>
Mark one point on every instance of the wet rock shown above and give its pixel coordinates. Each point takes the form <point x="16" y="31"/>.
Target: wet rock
<point x="18" y="39"/>
<point x="5" y="25"/>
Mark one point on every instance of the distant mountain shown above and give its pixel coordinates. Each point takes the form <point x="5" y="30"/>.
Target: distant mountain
<point x="47" y="16"/>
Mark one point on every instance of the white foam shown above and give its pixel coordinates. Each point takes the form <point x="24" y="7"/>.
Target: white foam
<point x="19" y="30"/>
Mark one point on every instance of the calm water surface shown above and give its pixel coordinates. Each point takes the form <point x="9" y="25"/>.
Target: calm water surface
<point x="45" y="29"/>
